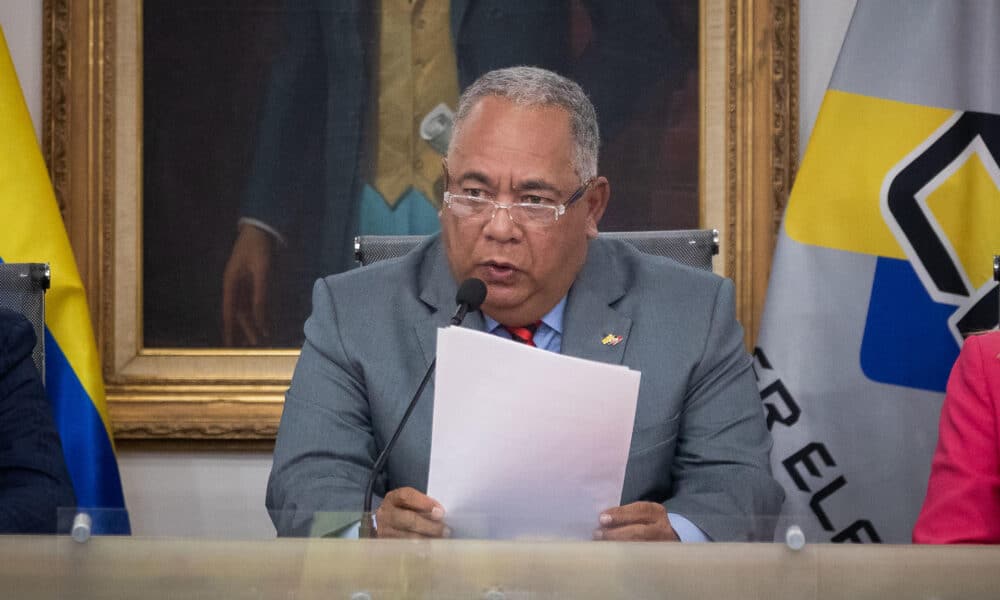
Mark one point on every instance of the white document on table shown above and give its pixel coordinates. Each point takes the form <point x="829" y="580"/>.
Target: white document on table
<point x="526" y="443"/>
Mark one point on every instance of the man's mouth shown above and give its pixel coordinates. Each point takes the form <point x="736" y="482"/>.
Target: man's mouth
<point x="498" y="271"/>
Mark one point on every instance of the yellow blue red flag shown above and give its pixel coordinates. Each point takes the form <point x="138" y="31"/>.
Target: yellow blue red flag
<point x="31" y="230"/>
<point x="883" y="262"/>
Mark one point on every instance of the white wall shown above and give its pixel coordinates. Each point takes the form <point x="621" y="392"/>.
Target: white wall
<point x="197" y="494"/>
<point x="222" y="493"/>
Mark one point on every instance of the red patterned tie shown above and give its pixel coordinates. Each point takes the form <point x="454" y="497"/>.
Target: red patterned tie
<point x="525" y="335"/>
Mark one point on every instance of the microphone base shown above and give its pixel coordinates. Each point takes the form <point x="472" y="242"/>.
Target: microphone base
<point x="368" y="529"/>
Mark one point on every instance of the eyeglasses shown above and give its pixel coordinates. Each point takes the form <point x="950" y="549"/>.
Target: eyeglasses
<point x="540" y="212"/>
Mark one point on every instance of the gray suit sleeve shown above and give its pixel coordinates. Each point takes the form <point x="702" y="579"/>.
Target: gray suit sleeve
<point x="325" y="446"/>
<point x="721" y="472"/>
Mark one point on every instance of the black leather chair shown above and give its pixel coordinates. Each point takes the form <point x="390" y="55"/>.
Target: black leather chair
<point x="694" y="247"/>
<point x="22" y="290"/>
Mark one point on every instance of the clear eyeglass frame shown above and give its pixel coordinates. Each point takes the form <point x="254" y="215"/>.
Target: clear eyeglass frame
<point x="523" y="213"/>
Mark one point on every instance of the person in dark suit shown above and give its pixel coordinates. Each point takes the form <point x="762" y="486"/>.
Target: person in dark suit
<point x="526" y="141"/>
<point x="34" y="481"/>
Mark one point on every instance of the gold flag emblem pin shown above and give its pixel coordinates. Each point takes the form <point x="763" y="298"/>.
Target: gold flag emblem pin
<point x="611" y="339"/>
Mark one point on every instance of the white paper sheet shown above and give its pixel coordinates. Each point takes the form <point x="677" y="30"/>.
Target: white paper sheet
<point x="526" y="443"/>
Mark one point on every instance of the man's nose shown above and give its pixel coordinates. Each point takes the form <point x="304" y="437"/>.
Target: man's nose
<point x="502" y="227"/>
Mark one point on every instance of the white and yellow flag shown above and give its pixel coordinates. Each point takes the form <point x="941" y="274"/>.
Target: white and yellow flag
<point x="883" y="260"/>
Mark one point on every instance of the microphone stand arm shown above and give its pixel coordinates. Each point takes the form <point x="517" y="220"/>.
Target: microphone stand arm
<point x="369" y="528"/>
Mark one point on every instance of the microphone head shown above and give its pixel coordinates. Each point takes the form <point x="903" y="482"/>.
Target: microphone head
<point x="471" y="293"/>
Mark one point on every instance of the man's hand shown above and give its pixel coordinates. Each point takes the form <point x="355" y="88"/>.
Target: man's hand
<point x="407" y="513"/>
<point x="244" y="288"/>
<point x="639" y="521"/>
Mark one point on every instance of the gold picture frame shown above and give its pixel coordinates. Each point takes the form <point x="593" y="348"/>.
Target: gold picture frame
<point x="92" y="143"/>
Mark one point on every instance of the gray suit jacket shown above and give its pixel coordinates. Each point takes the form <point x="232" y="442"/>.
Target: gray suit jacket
<point x="699" y="444"/>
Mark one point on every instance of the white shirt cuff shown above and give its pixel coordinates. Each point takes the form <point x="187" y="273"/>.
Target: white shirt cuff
<point x="263" y="227"/>
<point x="686" y="530"/>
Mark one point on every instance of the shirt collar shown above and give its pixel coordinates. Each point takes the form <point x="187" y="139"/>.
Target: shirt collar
<point x="552" y="319"/>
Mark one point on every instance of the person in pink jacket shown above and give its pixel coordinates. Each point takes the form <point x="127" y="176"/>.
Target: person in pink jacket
<point x="963" y="495"/>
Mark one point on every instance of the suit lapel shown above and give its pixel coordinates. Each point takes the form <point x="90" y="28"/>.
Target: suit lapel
<point x="438" y="289"/>
<point x="590" y="317"/>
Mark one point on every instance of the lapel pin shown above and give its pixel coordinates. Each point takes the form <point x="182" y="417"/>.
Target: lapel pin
<point x="611" y="340"/>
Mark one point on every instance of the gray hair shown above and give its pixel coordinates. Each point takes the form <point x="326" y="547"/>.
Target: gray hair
<point x="532" y="86"/>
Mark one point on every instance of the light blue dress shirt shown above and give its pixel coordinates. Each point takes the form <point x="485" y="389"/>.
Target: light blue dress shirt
<point x="548" y="336"/>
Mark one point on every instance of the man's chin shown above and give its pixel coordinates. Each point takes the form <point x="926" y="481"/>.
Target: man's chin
<point x="502" y="306"/>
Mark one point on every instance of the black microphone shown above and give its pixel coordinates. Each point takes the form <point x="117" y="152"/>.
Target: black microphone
<point x="470" y="297"/>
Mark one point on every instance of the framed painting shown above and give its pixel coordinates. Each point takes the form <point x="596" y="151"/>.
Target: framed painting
<point x="200" y="150"/>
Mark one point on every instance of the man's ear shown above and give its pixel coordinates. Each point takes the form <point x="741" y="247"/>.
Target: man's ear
<point x="597" y="202"/>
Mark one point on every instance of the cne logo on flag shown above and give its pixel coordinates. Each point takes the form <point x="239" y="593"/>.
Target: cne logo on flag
<point x="885" y="257"/>
<point x="882" y="262"/>
<point x="942" y="204"/>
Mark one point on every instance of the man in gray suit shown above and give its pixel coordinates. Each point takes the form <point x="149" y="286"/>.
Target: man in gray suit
<point x="521" y="211"/>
